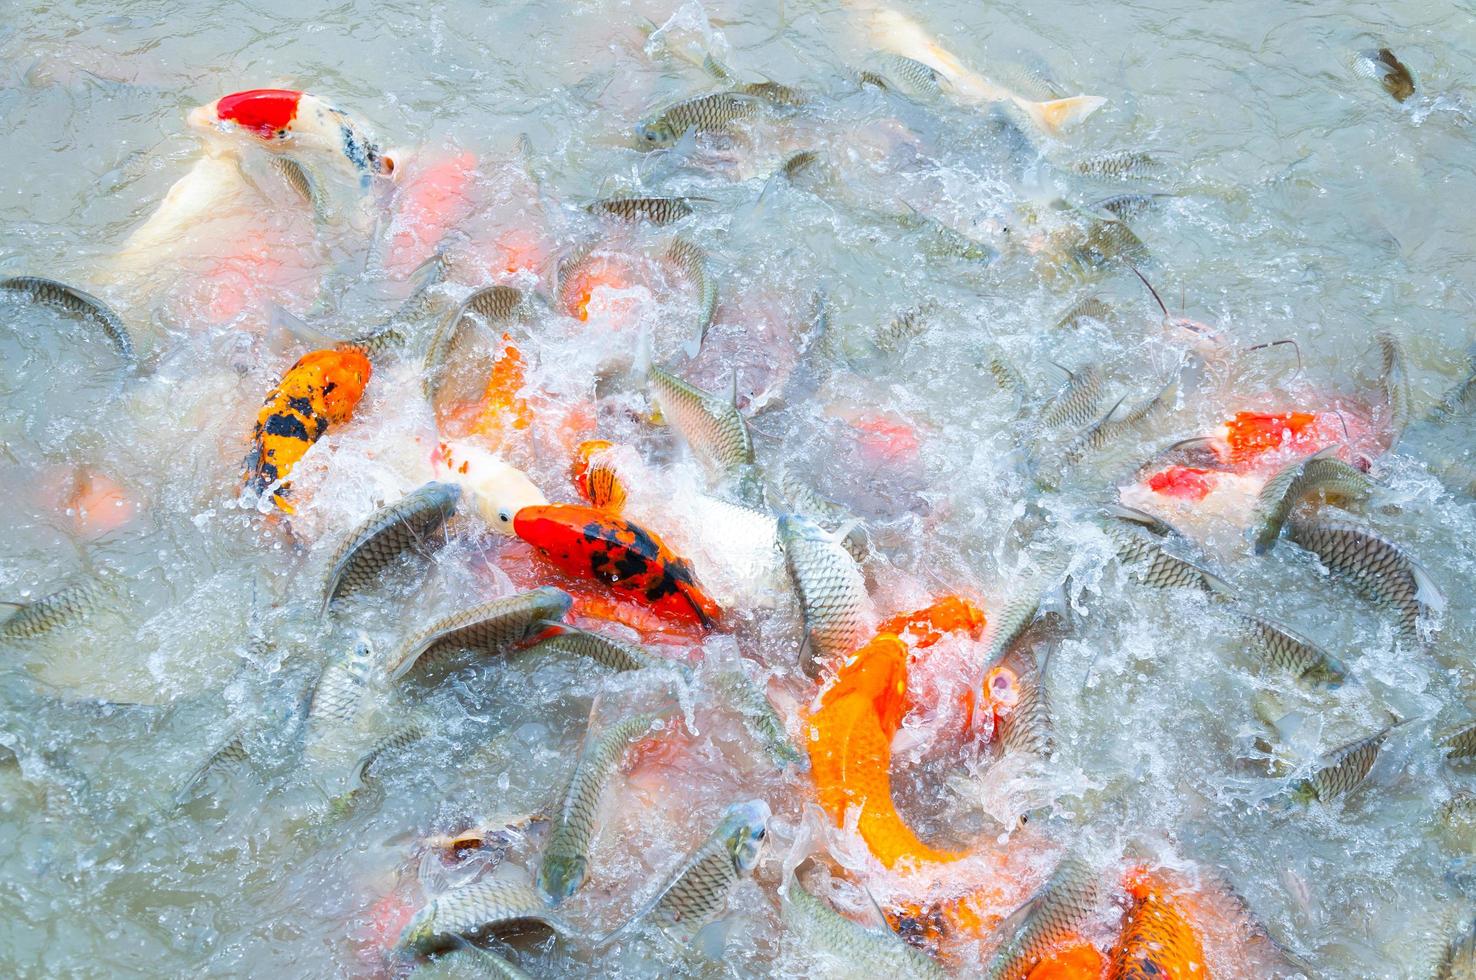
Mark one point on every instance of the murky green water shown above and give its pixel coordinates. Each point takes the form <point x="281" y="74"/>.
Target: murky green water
<point x="1303" y="202"/>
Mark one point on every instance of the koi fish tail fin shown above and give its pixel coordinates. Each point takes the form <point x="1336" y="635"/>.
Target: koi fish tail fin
<point x="1058" y="115"/>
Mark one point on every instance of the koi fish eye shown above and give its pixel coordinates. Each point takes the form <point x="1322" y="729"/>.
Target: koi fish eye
<point x="505" y="516"/>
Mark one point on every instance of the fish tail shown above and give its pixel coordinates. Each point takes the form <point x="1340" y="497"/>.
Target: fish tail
<point x="1057" y="115"/>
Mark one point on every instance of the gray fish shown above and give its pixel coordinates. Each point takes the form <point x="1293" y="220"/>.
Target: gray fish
<point x="302" y="180"/>
<point x="656" y="210"/>
<point x="391" y="333"/>
<point x="1129" y="205"/>
<point x="1288" y="650"/>
<point x="486" y="627"/>
<point x="1059" y="909"/>
<point x="1372" y="565"/>
<point x="386" y="534"/>
<point x="69" y="299"/>
<point x="1118" y="165"/>
<point x="859" y="951"/>
<point x="1321" y="472"/>
<point x="65" y="607"/>
<point x="1458" y="961"/>
<point x="1077" y="401"/>
<point x="1007" y="376"/>
<point x="604" y="650"/>
<point x="1088" y="307"/>
<point x="759" y="717"/>
<point x="1394" y="379"/>
<point x="229" y="752"/>
<point x="482" y="908"/>
<point x="831" y="588"/>
<point x="775" y="93"/>
<point x="343" y="696"/>
<point x="944" y="240"/>
<point x="1025" y="725"/>
<point x="1103" y="240"/>
<point x="1341" y="769"/>
<point x="403" y="735"/>
<point x="463" y="961"/>
<point x="691" y="263"/>
<point x="1388" y="69"/>
<point x="698" y="889"/>
<point x="710" y="424"/>
<point x="494" y="304"/>
<point x="802" y="164"/>
<point x="715" y="113"/>
<point x="803" y="499"/>
<point x="1113" y="427"/>
<point x="565" y="863"/>
<point x="1023" y="608"/>
<point x="1460" y="745"/>
<point x="904" y="328"/>
<point x="906" y="75"/>
<point x="1141" y="542"/>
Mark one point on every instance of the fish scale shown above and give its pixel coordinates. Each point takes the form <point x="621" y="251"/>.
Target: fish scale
<point x="1089" y="307"/>
<point x="68" y="299"/>
<point x="712" y="426"/>
<point x="1394" y="379"/>
<point x="605" y="650"/>
<point x="565" y="862"/>
<point x="494" y="304"/>
<point x="1320" y="472"/>
<point x="832" y="591"/>
<point x="760" y="718"/>
<point x="1025" y="730"/>
<point x="860" y="952"/>
<point x="1157" y="941"/>
<point x="715" y="113"/>
<point x="1460" y="745"/>
<point x="478" y="909"/>
<point x="1291" y="651"/>
<point x="690" y="261"/>
<point x="64" y="607"/>
<point x="1139" y="540"/>
<point x="339" y="696"/>
<point x="1342" y="769"/>
<point x="486" y="627"/>
<point x="1458" y="961"/>
<point x="1077" y="401"/>
<point x="656" y="210"/>
<point x="1372" y="565"/>
<point x="386" y="534"/>
<point x="1053" y="914"/>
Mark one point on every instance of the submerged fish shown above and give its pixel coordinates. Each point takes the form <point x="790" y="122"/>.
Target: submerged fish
<point x="1458" y="961"/>
<point x="1144" y="543"/>
<point x="1341" y="769"/>
<point x="904" y="328"/>
<point x="1321" y="472"/>
<point x="715" y="113"/>
<point x="496" y="305"/>
<point x="1394" y="379"/>
<point x="710" y="424"/>
<point x="285" y="120"/>
<point x="65" y="607"/>
<point x="488" y="627"/>
<point x="1374" y="566"/>
<point x="1157" y="939"/>
<point x="69" y="299"/>
<point x="775" y="93"/>
<point x="386" y="534"/>
<point x="1054" y="914"/>
<point x="603" y="650"/>
<point x="1014" y="691"/>
<point x="479" y="909"/>
<point x="906" y="75"/>
<point x="320" y="390"/>
<point x="1460" y="745"/>
<point x="1389" y="70"/>
<point x="697" y="890"/>
<point x="656" y="210"/>
<point x="690" y="262"/>
<point x="831" y="589"/>
<point x="759" y="717"/>
<point x="346" y="693"/>
<point x="565" y="862"/>
<point x="1118" y="165"/>
<point x="1288" y="650"/>
<point x="856" y="950"/>
<point x="590" y="544"/>
<point x="596" y="476"/>
<point x="1086" y="308"/>
<point x="1078" y="400"/>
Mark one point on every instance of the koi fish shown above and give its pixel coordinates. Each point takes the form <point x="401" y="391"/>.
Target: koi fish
<point x="1157" y="938"/>
<point x="924" y="627"/>
<point x="287" y="121"/>
<point x="586" y="543"/>
<point x="595" y="475"/>
<point x="321" y="389"/>
<point x="850" y="748"/>
<point x="496" y="488"/>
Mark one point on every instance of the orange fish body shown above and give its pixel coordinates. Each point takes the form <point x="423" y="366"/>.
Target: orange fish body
<point x="320" y="390"/>
<point x="595" y="476"/>
<point x="851" y="750"/>
<point x="1081" y="961"/>
<point x="1157" y="941"/>
<point x="924" y="627"/>
<point x="503" y="410"/>
<point x="590" y="544"/>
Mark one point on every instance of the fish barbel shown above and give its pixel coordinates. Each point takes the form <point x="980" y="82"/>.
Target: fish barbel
<point x="386" y="534"/>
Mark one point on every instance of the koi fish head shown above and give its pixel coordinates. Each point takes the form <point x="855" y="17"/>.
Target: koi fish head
<point x="266" y="113"/>
<point x="497" y="488"/>
<point x="279" y="117"/>
<point x="878" y="673"/>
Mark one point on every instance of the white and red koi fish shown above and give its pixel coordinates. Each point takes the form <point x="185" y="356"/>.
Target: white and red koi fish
<point x="288" y="121"/>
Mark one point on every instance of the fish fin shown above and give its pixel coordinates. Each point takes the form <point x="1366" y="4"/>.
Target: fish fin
<point x="1061" y="114"/>
<point x="1132" y="515"/>
<point x="1426" y="591"/>
<point x="294" y="325"/>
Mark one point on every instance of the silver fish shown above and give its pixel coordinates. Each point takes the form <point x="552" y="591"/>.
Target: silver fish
<point x="1460" y="745"/>
<point x="302" y="180"/>
<point x="1112" y="426"/>
<point x="775" y="93"/>
<point x="698" y="889"/>
<point x="494" y="304"/>
<point x="832" y="591"/>
<point x="760" y="718"/>
<point x="1025" y="727"/>
<point x="715" y="113"/>
<point x="1142" y="544"/>
<point x="710" y="424"/>
<point x="1059" y="909"/>
<point x="1322" y="472"/>
<point x="604" y="650"/>
<point x="1341" y="769"/>
<point x="392" y="332"/>
<point x="902" y="330"/>
<point x="69" y="299"/>
<point x="906" y="75"/>
<point x="65" y="607"/>
<point x="1127" y="206"/>
<point x="1015" y="616"/>
<point x="1118" y="165"/>
<point x="344" y="695"/>
<point x="1077" y="401"/>
<point x="565" y="863"/>
<point x="1394" y="379"/>
<point x="487" y="627"/>
<point x="482" y="908"/>
<point x="1288" y="650"/>
<point x="691" y="263"/>
<point x="656" y="210"/>
<point x="1458" y="961"/>
<point x="386" y="534"/>
<point x="1086" y="308"/>
<point x="859" y="951"/>
<point x="1373" y="565"/>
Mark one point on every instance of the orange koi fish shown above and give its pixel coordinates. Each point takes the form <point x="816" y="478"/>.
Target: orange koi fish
<point x="595" y="476"/>
<point x="586" y="543"/>
<point x="502" y="410"/>
<point x="1157" y="939"/>
<point x="1081" y="961"/>
<point x="924" y="627"/>
<point x="850" y="748"/>
<point x="321" y="389"/>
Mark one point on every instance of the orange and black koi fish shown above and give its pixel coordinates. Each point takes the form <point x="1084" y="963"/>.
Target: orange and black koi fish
<point x="1157" y="938"/>
<point x="587" y="543"/>
<point x="321" y="389"/>
<point x="595" y="476"/>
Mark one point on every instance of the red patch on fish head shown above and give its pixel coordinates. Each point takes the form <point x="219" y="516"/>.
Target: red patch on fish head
<point x="267" y="112"/>
<point x="1183" y="482"/>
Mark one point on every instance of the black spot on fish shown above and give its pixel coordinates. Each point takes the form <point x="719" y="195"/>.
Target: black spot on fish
<point x="303" y="405"/>
<point x="631" y="564"/>
<point x="268" y="473"/>
<point x="287" y="426"/>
